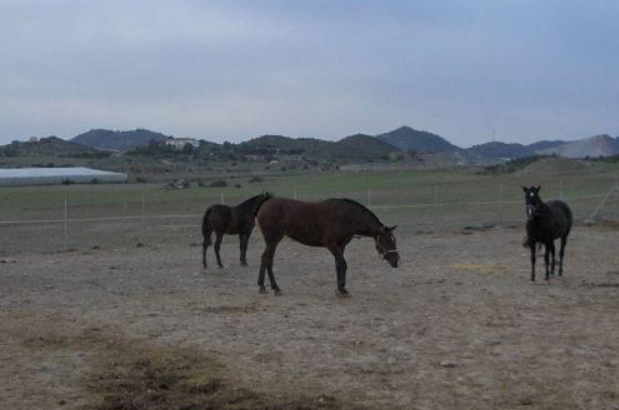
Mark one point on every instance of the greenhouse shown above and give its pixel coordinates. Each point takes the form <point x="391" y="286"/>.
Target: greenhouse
<point x="46" y="176"/>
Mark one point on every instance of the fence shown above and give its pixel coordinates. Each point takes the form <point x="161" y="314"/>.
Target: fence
<point x="118" y="217"/>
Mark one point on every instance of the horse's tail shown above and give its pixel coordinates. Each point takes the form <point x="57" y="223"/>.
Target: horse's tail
<point x="206" y="228"/>
<point x="265" y="197"/>
<point x="570" y="218"/>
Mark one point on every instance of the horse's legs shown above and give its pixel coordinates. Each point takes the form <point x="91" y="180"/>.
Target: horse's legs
<point x="340" y="268"/>
<point x="266" y="264"/>
<point x="205" y="244"/>
<point x="220" y="237"/>
<point x="552" y="255"/>
<point x="533" y="250"/>
<point x="561" y="254"/>
<point x="547" y="260"/>
<point x="244" y="239"/>
<point x="274" y="286"/>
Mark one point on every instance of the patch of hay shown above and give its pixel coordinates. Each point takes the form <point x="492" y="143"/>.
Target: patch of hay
<point x="485" y="269"/>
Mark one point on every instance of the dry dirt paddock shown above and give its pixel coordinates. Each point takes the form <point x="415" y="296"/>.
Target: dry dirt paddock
<point x="457" y="326"/>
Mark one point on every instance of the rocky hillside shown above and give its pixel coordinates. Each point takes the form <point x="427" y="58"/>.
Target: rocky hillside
<point x="409" y="139"/>
<point x="117" y="140"/>
<point x="598" y="146"/>
<point x="48" y="147"/>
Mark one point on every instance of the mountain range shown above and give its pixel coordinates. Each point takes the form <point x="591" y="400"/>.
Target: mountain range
<point x="403" y="140"/>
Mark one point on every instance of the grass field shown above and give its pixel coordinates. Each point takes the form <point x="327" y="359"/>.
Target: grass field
<point x="418" y="201"/>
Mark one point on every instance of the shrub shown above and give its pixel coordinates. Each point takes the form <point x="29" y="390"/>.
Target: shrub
<point x="254" y="180"/>
<point x="220" y="183"/>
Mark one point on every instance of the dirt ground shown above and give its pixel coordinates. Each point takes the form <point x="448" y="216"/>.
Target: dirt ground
<point x="457" y="326"/>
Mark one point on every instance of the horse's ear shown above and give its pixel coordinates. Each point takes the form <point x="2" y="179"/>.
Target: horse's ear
<point x="524" y="188"/>
<point x="392" y="228"/>
<point x="538" y="188"/>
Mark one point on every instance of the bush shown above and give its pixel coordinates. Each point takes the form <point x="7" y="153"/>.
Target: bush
<point x="66" y="182"/>
<point x="254" y="180"/>
<point x="94" y="181"/>
<point x="237" y="185"/>
<point x="140" y="180"/>
<point x="220" y="183"/>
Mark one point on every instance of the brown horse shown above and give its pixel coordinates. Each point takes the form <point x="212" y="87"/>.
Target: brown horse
<point x="330" y="224"/>
<point x="236" y="220"/>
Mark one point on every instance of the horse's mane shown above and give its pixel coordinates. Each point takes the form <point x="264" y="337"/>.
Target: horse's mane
<point x="252" y="201"/>
<point x="363" y="208"/>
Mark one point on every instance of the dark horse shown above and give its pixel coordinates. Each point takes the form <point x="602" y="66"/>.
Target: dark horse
<point x="235" y="220"/>
<point x="330" y="224"/>
<point x="546" y="221"/>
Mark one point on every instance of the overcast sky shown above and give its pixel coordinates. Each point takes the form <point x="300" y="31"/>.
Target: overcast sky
<point x="231" y="70"/>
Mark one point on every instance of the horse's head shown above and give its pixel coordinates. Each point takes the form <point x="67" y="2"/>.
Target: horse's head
<point x="386" y="247"/>
<point x="258" y="200"/>
<point x="532" y="200"/>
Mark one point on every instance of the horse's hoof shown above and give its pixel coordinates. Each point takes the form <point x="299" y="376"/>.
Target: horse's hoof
<point x="262" y="291"/>
<point x="342" y="294"/>
<point x="277" y="292"/>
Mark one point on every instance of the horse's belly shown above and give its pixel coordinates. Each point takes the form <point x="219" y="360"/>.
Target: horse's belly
<point x="307" y="235"/>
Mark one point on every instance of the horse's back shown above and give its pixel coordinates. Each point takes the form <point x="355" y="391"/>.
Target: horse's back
<point x="217" y="216"/>
<point x="305" y="222"/>
<point x="562" y="216"/>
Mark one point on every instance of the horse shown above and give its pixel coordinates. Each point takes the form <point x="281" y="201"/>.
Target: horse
<point x="236" y="220"/>
<point x="330" y="224"/>
<point x="546" y="221"/>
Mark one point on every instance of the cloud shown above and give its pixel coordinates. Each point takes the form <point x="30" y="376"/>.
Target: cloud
<point x="231" y="70"/>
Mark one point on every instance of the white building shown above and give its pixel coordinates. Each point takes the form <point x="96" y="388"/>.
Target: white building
<point x="179" y="143"/>
<point x="47" y="176"/>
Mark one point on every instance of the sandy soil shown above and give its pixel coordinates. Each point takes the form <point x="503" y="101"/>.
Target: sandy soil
<point x="457" y="326"/>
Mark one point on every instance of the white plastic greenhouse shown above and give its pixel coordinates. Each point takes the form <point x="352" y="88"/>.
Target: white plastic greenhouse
<point x="45" y="176"/>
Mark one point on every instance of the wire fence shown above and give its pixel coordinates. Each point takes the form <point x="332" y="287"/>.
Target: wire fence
<point x="114" y="221"/>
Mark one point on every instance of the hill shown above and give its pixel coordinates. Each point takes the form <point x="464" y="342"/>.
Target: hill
<point x="48" y="147"/>
<point x="500" y="150"/>
<point x="358" y="146"/>
<point x="554" y="166"/>
<point x="409" y="139"/>
<point x="117" y="140"/>
<point x="282" y="145"/>
<point x="597" y="146"/>
<point x="364" y="146"/>
<point x="545" y="144"/>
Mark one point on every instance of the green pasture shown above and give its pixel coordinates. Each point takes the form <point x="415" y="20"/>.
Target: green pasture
<point x="379" y="189"/>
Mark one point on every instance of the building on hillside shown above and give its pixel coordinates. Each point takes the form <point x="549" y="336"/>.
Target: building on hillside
<point x="179" y="143"/>
<point x="50" y="176"/>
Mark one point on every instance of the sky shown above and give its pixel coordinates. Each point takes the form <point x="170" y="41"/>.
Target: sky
<point x="231" y="70"/>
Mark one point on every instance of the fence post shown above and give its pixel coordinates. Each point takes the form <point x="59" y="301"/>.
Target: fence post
<point x="500" y="202"/>
<point x="66" y="224"/>
<point x="143" y="212"/>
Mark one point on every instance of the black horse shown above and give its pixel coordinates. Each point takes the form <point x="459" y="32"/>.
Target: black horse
<point x="330" y="224"/>
<point x="546" y="221"/>
<point x="236" y="220"/>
